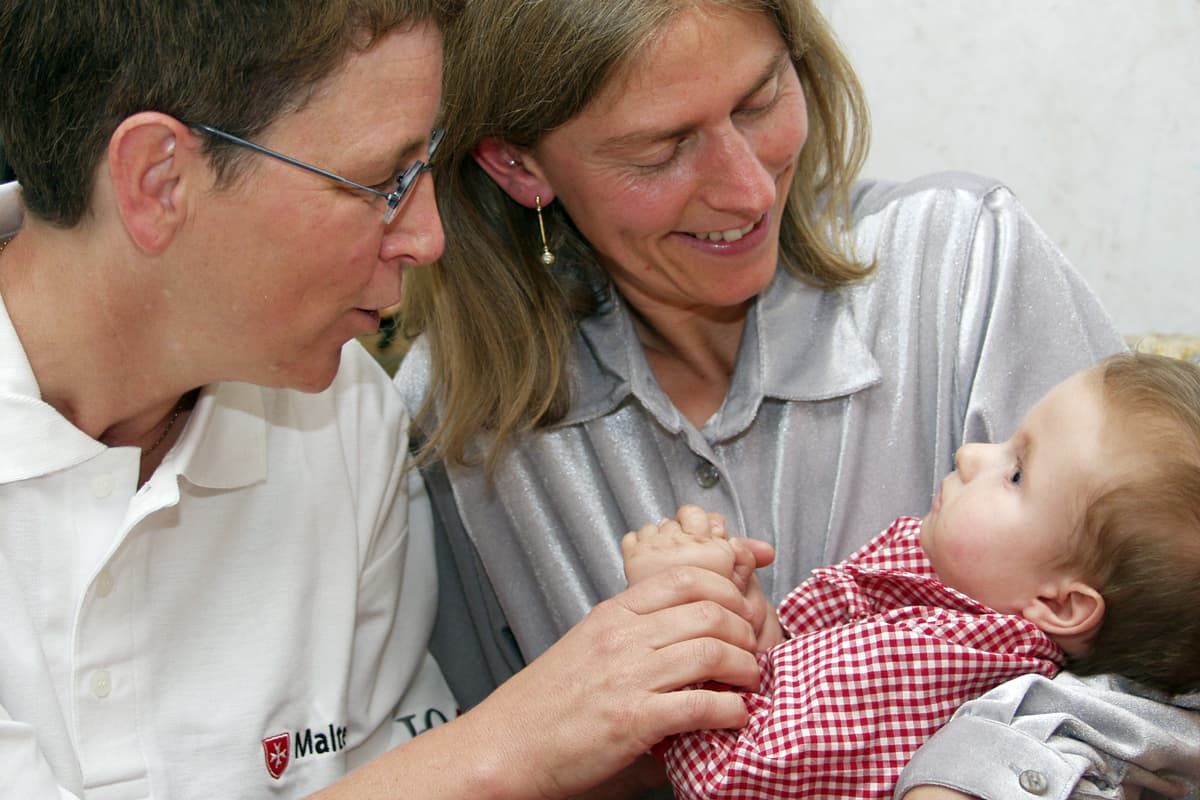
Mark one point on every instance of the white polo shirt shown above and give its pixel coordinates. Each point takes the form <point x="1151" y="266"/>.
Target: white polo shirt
<point x="231" y="629"/>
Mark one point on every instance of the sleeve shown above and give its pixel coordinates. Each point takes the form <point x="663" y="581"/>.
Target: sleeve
<point x="471" y="636"/>
<point x="1068" y="737"/>
<point x="1026" y="320"/>
<point x="393" y="686"/>
<point x="428" y="700"/>
<point x="471" y="639"/>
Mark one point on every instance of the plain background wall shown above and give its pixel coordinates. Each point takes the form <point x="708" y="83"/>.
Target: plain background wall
<point x="1089" y="111"/>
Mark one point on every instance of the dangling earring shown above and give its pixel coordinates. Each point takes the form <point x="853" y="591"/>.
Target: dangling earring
<point x="547" y="256"/>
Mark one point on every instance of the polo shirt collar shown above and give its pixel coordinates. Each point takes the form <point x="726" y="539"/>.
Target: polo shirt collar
<point x="11" y="210"/>
<point x="225" y="443"/>
<point x="801" y="343"/>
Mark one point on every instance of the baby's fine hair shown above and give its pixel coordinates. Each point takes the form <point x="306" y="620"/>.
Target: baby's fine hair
<point x="1141" y="532"/>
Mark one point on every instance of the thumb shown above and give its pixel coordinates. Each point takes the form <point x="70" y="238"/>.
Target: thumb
<point x="763" y="552"/>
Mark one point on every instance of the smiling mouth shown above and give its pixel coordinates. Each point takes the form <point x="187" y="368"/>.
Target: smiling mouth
<point x="731" y="235"/>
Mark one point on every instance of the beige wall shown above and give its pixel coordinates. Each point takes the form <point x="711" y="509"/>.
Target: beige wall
<point x="1089" y="110"/>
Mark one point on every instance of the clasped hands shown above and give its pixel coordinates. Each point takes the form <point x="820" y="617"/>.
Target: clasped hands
<point x="634" y="670"/>
<point x="698" y="538"/>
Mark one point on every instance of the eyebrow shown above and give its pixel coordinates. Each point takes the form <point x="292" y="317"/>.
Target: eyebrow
<point x="628" y="140"/>
<point x="402" y="156"/>
<point x="1025" y="449"/>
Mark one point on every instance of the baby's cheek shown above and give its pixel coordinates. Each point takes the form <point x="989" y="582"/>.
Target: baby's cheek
<point x="956" y="552"/>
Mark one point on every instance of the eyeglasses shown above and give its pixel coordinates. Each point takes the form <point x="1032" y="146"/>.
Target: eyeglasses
<point x="395" y="198"/>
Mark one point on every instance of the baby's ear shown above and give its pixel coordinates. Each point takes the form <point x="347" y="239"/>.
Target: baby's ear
<point x="1069" y="612"/>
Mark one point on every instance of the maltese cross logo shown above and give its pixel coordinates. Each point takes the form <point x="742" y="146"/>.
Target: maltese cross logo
<point x="276" y="752"/>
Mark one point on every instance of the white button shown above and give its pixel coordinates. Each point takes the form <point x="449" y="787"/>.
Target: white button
<point x="102" y="485"/>
<point x="101" y="684"/>
<point x="104" y="583"/>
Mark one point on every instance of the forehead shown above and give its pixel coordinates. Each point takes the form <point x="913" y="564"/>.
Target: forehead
<point x="385" y="94"/>
<point x="699" y="51"/>
<point x="1069" y="432"/>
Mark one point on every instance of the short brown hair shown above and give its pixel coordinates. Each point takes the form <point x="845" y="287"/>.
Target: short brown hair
<point x="74" y="69"/>
<point x="1143" y="533"/>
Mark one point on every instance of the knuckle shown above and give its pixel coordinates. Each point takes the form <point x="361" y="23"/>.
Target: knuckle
<point x="681" y="579"/>
<point x="700" y="704"/>
<point x="707" y="653"/>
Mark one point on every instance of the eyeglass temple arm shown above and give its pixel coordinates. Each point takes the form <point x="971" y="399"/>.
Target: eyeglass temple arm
<point x="266" y="151"/>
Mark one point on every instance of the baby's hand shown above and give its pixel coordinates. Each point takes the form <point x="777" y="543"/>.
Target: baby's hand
<point x="695" y="539"/>
<point x="699" y="538"/>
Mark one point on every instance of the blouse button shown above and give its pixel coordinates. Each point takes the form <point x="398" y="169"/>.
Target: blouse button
<point x="104" y="583"/>
<point x="101" y="684"/>
<point x="707" y="475"/>
<point x="1033" y="782"/>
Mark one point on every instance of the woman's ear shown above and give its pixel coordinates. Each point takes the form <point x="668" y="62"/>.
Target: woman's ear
<point x="1070" y="613"/>
<point x="514" y="171"/>
<point x="145" y="158"/>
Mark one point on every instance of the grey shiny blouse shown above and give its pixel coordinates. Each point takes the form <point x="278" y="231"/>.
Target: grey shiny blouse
<point x="845" y="410"/>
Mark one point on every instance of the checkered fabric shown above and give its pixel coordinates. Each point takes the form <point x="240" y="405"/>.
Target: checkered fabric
<point x="880" y="656"/>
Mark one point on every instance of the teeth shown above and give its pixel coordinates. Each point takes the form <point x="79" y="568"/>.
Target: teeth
<point x="731" y="235"/>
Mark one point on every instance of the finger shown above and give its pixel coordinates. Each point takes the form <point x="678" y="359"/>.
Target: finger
<point x="692" y="710"/>
<point x="744" y="556"/>
<point x="702" y="619"/>
<point x="743" y="563"/>
<point x="680" y="585"/>
<point x="694" y="521"/>
<point x="670" y="528"/>
<point x="716" y="525"/>
<point x="646" y="533"/>
<point x="699" y="661"/>
<point x="764" y="553"/>
<point x="629" y="543"/>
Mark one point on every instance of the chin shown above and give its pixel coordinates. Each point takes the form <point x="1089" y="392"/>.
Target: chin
<point x="311" y="374"/>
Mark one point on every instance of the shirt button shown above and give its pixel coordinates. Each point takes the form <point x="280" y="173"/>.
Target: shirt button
<point x="104" y="583"/>
<point x="102" y="486"/>
<point x="707" y="475"/>
<point x="101" y="684"/>
<point x="1033" y="782"/>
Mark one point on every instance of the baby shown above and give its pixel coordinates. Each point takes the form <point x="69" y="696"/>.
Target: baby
<point x="1076" y="541"/>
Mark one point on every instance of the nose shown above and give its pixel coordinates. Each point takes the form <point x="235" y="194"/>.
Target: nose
<point x="971" y="459"/>
<point x="415" y="235"/>
<point x="736" y="178"/>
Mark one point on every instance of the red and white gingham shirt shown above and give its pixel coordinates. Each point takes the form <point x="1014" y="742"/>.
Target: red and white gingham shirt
<point x="881" y="654"/>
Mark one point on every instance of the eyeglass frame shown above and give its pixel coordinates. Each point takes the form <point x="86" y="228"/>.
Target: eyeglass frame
<point x="395" y="198"/>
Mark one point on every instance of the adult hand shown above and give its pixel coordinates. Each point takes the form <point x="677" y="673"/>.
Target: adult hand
<point x="615" y="685"/>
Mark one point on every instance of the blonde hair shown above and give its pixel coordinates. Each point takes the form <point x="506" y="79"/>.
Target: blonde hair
<point x="500" y="325"/>
<point x="1141" y="534"/>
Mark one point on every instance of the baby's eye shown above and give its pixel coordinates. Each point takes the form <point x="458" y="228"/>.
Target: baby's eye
<point x="1015" y="478"/>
